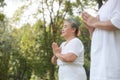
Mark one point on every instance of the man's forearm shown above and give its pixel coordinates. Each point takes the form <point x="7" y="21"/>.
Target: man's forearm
<point x="105" y="25"/>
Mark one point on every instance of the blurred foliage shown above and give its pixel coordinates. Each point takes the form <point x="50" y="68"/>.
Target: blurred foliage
<point x="2" y="3"/>
<point x="2" y="16"/>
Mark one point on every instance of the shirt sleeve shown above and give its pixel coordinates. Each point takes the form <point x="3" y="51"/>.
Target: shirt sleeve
<point x="76" y="47"/>
<point x="116" y="15"/>
<point x="116" y="19"/>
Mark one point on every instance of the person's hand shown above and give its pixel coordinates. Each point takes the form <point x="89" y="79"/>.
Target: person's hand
<point x="89" y="20"/>
<point x="56" y="49"/>
<point x="54" y="60"/>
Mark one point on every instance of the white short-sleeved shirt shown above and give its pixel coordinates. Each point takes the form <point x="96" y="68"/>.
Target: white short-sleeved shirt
<point x="72" y="70"/>
<point x="105" y="49"/>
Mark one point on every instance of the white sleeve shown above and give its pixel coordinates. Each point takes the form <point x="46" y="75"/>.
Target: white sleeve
<point x="76" y="47"/>
<point x="116" y="15"/>
<point x="116" y="19"/>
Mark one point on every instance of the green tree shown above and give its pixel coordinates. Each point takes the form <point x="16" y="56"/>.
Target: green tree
<point x="2" y="3"/>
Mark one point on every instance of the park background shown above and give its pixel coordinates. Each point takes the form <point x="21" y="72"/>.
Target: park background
<point x="27" y="35"/>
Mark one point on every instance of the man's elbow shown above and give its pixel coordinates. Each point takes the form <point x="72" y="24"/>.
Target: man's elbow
<point x="113" y="28"/>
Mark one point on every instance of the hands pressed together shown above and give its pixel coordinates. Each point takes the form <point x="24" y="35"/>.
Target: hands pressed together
<point x="89" y="21"/>
<point x="56" y="49"/>
<point x="56" y="52"/>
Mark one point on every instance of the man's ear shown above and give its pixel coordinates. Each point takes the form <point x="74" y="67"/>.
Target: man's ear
<point x="74" y="29"/>
<point x="78" y="34"/>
